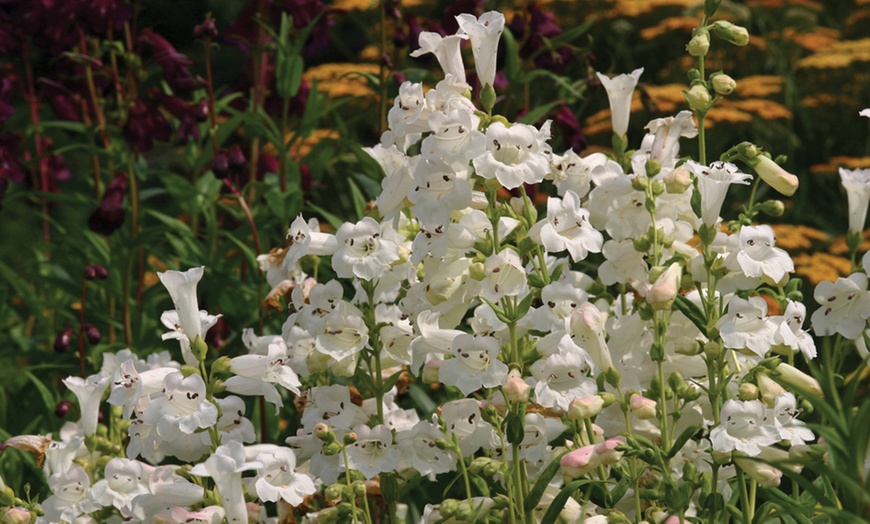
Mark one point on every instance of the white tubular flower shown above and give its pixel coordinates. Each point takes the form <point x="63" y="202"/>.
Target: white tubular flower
<point x="666" y="133"/>
<point x="505" y="276"/>
<point x="373" y="452"/>
<point x="665" y="289"/>
<point x="474" y="365"/>
<point x="767" y="476"/>
<point x="746" y="325"/>
<point x="713" y="183"/>
<point x="410" y="113"/>
<point x="864" y="112"/>
<point x="258" y="374"/>
<point x="484" y="33"/>
<point x="463" y="419"/>
<point x="512" y="156"/>
<point x="277" y="478"/>
<point x="446" y="51"/>
<point x="561" y="378"/>
<point x="454" y="139"/>
<point x="623" y="263"/>
<point x="362" y="253"/>
<point x="123" y="480"/>
<point x="431" y="341"/>
<point x="225" y="467"/>
<point x="790" y="332"/>
<point x="790" y="428"/>
<point x="620" y="90"/>
<point x="419" y="450"/>
<point x="129" y="386"/>
<point x="758" y="258"/>
<point x="587" y="329"/>
<point x="571" y="172"/>
<point x="560" y="299"/>
<point x="857" y="185"/>
<point x="207" y="515"/>
<point x="166" y="489"/>
<point x="844" y="306"/>
<point x="332" y="405"/>
<point x="743" y="428"/>
<point x="182" y="289"/>
<point x="343" y="332"/>
<point x="183" y="406"/>
<point x="438" y="190"/>
<point x="306" y="239"/>
<point x="69" y="496"/>
<point x="233" y="424"/>
<point x="397" y="178"/>
<point x="89" y="394"/>
<point x="567" y="227"/>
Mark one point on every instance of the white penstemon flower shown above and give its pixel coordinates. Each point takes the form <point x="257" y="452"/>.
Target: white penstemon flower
<point x="844" y="306"/>
<point x="744" y="428"/>
<point x="484" y="33"/>
<point x="225" y="467"/>
<point x="713" y="183"/>
<point x="567" y="227"/>
<point x="620" y="90"/>
<point x="512" y="156"/>
<point x="373" y="452"/>
<point x="474" y="364"/>
<point x="362" y="252"/>
<point x="857" y="185"/>
<point x="758" y="258"/>
<point x="446" y="51"/>
<point x="277" y="478"/>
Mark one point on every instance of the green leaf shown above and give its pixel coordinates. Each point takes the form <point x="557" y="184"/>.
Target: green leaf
<point x="539" y="112"/>
<point x="543" y="481"/>
<point x="359" y="201"/>
<point x="514" y="428"/>
<point x="692" y="312"/>
<point x="47" y="398"/>
<point x="333" y="220"/>
<point x="512" y="55"/>
<point x="573" y="33"/>
<point x="561" y="498"/>
<point x="682" y="439"/>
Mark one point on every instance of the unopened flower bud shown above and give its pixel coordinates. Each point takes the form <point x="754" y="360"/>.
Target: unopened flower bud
<point x="639" y="183"/>
<point x="359" y="488"/>
<point x="797" y="378"/>
<point x="700" y="42"/>
<point x="678" y="180"/>
<point x="237" y="160"/>
<point x="476" y="271"/>
<point x="608" y="452"/>
<point x="333" y="448"/>
<point x="747" y="391"/>
<point x="93" y="334"/>
<point x="769" y="389"/>
<point x="448" y="507"/>
<point x="323" y="432"/>
<point x="579" y="462"/>
<point x="16" y="515"/>
<point x="664" y="291"/>
<point x="478" y="464"/>
<point x="584" y="408"/>
<point x="712" y="349"/>
<point x="220" y="165"/>
<point x="334" y="492"/>
<point x="206" y="29"/>
<point x="772" y="208"/>
<point x="723" y="84"/>
<point x="642" y="407"/>
<point x="63" y="340"/>
<point x="775" y="176"/>
<point x="63" y="408"/>
<point x="350" y="438"/>
<point x="699" y="98"/>
<point x="515" y="389"/>
<point x="729" y="32"/>
<point x="766" y="475"/>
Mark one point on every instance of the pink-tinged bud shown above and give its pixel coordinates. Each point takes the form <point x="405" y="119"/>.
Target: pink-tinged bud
<point x="678" y="180"/>
<point x="607" y="452"/>
<point x="63" y="340"/>
<point x="766" y="475"/>
<point x="664" y="291"/>
<point x="797" y="378"/>
<point x="16" y="515"/>
<point x="430" y="371"/>
<point x="642" y="407"/>
<point x="769" y="389"/>
<point x="322" y="431"/>
<point x="579" y="462"/>
<point x="583" y="408"/>
<point x="775" y="176"/>
<point x="254" y="510"/>
<point x="515" y="389"/>
<point x="93" y="334"/>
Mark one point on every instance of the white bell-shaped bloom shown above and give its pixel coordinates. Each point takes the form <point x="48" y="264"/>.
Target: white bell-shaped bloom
<point x="363" y="252"/>
<point x="666" y="132"/>
<point x="512" y="156"/>
<point x="419" y="450"/>
<point x="225" y="467"/>
<point x="747" y="326"/>
<point x="620" y="90"/>
<point x="844" y="306"/>
<point x="306" y="239"/>
<point x="857" y="185"/>
<point x="484" y="33"/>
<point x="759" y="258"/>
<point x="89" y="393"/>
<point x="446" y="51"/>
<point x="474" y="365"/>
<point x="69" y="497"/>
<point x="182" y="288"/>
<point x="122" y="481"/>
<point x="278" y="479"/>
<point x="463" y="418"/>
<point x="567" y="227"/>
<point x="713" y="183"/>
<point x="743" y="428"/>
<point x="373" y="452"/>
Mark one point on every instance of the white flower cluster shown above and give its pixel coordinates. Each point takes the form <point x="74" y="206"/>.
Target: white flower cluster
<point x="462" y="286"/>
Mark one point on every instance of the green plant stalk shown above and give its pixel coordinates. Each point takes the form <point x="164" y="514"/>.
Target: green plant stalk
<point x="347" y="483"/>
<point x="462" y="466"/>
<point x="744" y="496"/>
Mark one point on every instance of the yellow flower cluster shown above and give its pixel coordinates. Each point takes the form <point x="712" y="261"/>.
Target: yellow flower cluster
<point x="342" y="79"/>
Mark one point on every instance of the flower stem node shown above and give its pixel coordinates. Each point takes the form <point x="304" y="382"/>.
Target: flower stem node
<point x="639" y="183"/>
<point x="448" y="508"/>
<point x="729" y="32"/>
<point x="334" y="492"/>
<point x="747" y="391"/>
<point x="613" y="377"/>
<point x="772" y="208"/>
<point x="187" y="371"/>
<point x="700" y="42"/>
<point x="331" y="449"/>
<point x="853" y="240"/>
<point x="723" y="84"/>
<point x="359" y="488"/>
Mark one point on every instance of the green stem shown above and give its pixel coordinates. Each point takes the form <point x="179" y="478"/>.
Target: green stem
<point x="744" y="495"/>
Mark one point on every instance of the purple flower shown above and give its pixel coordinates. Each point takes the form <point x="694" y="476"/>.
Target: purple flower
<point x="145" y="125"/>
<point x="10" y="168"/>
<point x="570" y="129"/>
<point x="188" y="115"/>
<point x="540" y="26"/>
<point x="109" y="215"/>
<point x="99" y="15"/>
